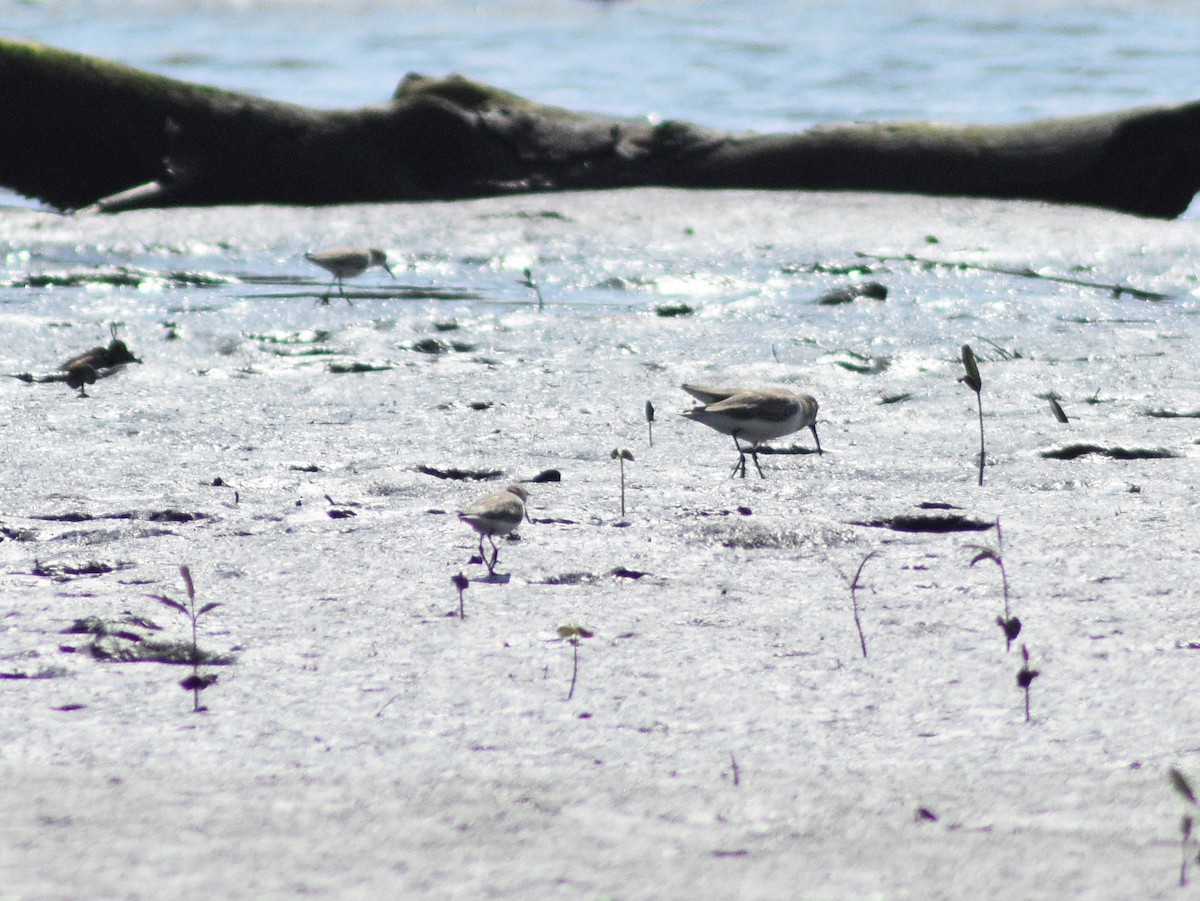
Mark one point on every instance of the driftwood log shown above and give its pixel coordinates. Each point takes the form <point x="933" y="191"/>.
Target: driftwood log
<point x="79" y="132"/>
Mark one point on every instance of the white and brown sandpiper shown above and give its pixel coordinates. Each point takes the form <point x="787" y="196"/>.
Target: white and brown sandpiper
<point x="754" y="415"/>
<point x="496" y="514"/>
<point x="348" y="262"/>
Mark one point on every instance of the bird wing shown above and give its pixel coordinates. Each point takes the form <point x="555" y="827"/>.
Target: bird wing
<point x="751" y="405"/>
<point x="709" y="394"/>
<point x="496" y="507"/>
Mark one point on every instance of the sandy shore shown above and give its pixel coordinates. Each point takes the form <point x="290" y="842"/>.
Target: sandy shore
<point x="727" y="737"/>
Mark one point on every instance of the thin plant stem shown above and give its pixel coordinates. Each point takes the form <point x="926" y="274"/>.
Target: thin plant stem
<point x="621" y="456"/>
<point x="862" y="640"/>
<point x="622" y="459"/>
<point x="1185" y="829"/>
<point x="460" y="582"/>
<point x="186" y="573"/>
<point x="1025" y="679"/>
<point x="1000" y="562"/>
<point x="979" y="403"/>
<point x="1004" y="583"/>
<point x="574" y="668"/>
<point x="574" y="634"/>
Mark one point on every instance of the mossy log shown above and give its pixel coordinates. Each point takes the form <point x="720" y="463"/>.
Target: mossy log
<point x="80" y="132"/>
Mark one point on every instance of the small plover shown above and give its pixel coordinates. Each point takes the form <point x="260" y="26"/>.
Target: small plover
<point x="348" y="262"/>
<point x="496" y="514"/>
<point x="83" y="369"/>
<point x="754" y="415"/>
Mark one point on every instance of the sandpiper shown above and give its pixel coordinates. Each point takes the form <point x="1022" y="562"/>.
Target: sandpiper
<point x="83" y="369"/>
<point x="753" y="414"/>
<point x="348" y="262"/>
<point x="497" y="514"/>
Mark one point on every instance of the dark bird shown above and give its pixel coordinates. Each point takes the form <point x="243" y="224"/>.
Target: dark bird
<point x="83" y="369"/>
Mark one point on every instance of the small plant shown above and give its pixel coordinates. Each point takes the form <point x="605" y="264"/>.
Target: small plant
<point x="1184" y="788"/>
<point x="573" y="634"/>
<point x="528" y="282"/>
<point x="1025" y="677"/>
<point x="196" y="682"/>
<point x="622" y="456"/>
<point x="650" y="421"/>
<point x="971" y="380"/>
<point x="1057" y="410"/>
<point x="854" y="602"/>
<point x="737" y="772"/>
<point x="461" y="583"/>
<point x="1009" y="623"/>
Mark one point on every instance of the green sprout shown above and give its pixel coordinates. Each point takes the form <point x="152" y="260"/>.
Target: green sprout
<point x="854" y="585"/>
<point x="461" y="583"/>
<point x="1057" y="410"/>
<point x="528" y="282"/>
<point x="622" y="456"/>
<point x="1184" y="788"/>
<point x="972" y="381"/>
<point x="573" y="634"/>
<point x="1008" y="623"/>
<point x="197" y="681"/>
<point x="1025" y="677"/>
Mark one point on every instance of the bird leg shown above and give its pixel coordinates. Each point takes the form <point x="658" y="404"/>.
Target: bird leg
<point x="495" y="556"/>
<point x="813" y="428"/>
<point x="741" y="463"/>
<point x="754" y="457"/>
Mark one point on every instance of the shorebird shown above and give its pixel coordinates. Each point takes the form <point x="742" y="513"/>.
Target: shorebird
<point x="116" y="354"/>
<point x="497" y="514"/>
<point x="83" y="369"/>
<point x="753" y="414"/>
<point x="348" y="262"/>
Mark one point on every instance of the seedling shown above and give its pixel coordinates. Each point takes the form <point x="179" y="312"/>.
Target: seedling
<point x="573" y="634"/>
<point x="972" y="381"/>
<point x="737" y="772"/>
<point x="1057" y="410"/>
<point x="1025" y="677"/>
<point x="196" y="682"/>
<point x="622" y="456"/>
<point x="528" y="282"/>
<point x="1184" y="788"/>
<point x="650" y="421"/>
<point x="1008" y="623"/>
<point x="461" y="583"/>
<point x="854" y="602"/>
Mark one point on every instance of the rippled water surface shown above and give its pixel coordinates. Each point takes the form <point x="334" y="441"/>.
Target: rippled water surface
<point x="772" y="65"/>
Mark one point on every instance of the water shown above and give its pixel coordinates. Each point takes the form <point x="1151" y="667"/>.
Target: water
<point x="442" y="749"/>
<point x="765" y="66"/>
